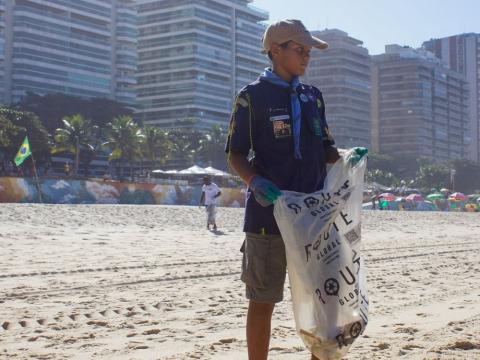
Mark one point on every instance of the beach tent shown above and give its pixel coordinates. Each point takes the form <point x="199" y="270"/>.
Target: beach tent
<point x="194" y="170"/>
<point x="198" y="170"/>
<point x="216" y="172"/>
<point x="165" y="171"/>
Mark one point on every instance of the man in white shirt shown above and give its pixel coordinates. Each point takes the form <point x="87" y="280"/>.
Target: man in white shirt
<point x="210" y="193"/>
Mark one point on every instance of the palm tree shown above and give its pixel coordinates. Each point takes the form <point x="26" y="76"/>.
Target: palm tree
<point x="76" y="134"/>
<point x="184" y="145"/>
<point x="124" y="139"/>
<point x="156" y="145"/>
<point x="212" y="146"/>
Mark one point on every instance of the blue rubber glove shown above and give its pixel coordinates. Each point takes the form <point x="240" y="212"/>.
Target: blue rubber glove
<point x="357" y="154"/>
<point x="265" y="191"/>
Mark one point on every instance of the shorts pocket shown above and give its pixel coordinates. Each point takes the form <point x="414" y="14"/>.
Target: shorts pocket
<point x="254" y="262"/>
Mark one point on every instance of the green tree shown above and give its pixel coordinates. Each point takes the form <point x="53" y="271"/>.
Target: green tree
<point x="20" y="123"/>
<point x="53" y="108"/>
<point x="124" y="139"/>
<point x="8" y="132"/>
<point x="186" y="144"/>
<point x="401" y="167"/>
<point x="76" y="135"/>
<point x="433" y="176"/>
<point x="157" y="147"/>
<point x="212" y="147"/>
<point x="382" y="177"/>
<point x="467" y="175"/>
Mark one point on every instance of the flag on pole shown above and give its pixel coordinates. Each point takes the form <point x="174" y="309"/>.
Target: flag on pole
<point x="23" y="153"/>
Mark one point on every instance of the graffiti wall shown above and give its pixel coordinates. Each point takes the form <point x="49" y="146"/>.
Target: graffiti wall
<point x="66" y="191"/>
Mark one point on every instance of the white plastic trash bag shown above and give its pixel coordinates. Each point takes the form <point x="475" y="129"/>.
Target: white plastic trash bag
<point x="321" y="232"/>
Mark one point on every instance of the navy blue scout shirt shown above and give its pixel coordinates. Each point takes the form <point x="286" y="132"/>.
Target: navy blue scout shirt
<point x="262" y="121"/>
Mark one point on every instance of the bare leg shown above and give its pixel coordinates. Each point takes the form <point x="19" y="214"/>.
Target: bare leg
<point x="258" y="329"/>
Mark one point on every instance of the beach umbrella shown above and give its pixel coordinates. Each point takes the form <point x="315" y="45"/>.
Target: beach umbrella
<point x="457" y="196"/>
<point x="437" y="196"/>
<point x="415" y="197"/>
<point x="387" y="196"/>
<point x="444" y="190"/>
<point x="471" y="207"/>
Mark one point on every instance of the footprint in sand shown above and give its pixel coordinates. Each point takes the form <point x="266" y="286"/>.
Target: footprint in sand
<point x="381" y="346"/>
<point x="151" y="332"/>
<point x="406" y="330"/>
<point x="7" y="325"/>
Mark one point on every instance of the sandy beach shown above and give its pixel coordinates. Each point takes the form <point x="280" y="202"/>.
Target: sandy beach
<point x="149" y="282"/>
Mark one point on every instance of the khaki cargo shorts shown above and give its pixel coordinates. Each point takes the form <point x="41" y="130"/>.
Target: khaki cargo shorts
<point x="264" y="267"/>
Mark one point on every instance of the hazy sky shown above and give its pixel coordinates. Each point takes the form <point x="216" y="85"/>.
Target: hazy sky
<point x="381" y="22"/>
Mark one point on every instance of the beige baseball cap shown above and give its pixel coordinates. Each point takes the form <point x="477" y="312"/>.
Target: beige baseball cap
<point x="290" y="30"/>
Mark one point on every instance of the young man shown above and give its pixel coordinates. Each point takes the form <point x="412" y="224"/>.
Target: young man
<point x="210" y="193"/>
<point x="278" y="139"/>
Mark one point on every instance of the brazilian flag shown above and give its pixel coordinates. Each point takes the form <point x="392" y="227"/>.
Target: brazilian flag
<point x="23" y="153"/>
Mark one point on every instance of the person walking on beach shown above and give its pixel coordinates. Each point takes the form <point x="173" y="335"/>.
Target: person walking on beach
<point x="210" y="193"/>
<point x="278" y="139"/>
<point x="67" y="169"/>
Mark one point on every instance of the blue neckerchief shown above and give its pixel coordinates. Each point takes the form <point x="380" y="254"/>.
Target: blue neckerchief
<point x="271" y="77"/>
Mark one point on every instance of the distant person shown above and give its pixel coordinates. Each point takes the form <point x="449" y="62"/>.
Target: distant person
<point x="210" y="193"/>
<point x="67" y="169"/>
<point x="10" y="168"/>
<point x="374" y="202"/>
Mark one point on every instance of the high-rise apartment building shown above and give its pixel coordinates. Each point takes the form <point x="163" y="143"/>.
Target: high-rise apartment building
<point x="343" y="74"/>
<point x="84" y="48"/>
<point x="194" y="55"/>
<point x="419" y="106"/>
<point x="462" y="54"/>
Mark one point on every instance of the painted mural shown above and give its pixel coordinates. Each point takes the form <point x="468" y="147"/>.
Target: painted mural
<point x="67" y="191"/>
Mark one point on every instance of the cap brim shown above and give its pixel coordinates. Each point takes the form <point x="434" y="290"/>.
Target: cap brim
<point x="309" y="40"/>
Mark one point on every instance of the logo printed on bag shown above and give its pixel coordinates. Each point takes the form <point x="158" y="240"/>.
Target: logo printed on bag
<point x="331" y="286"/>
<point x="328" y="251"/>
<point x="327" y="265"/>
<point x="311" y="202"/>
<point x="295" y="207"/>
<point x="326" y="200"/>
<point x="320" y="297"/>
<point x="354" y="331"/>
